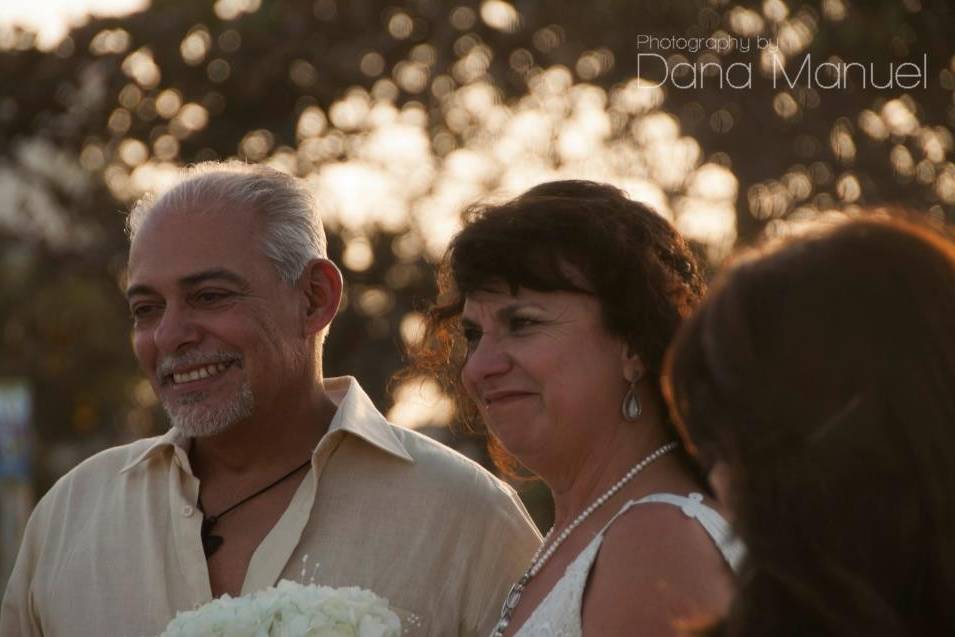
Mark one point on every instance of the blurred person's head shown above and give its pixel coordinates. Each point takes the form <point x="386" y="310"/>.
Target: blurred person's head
<point x="818" y="379"/>
<point x="568" y="296"/>
<point x="230" y="292"/>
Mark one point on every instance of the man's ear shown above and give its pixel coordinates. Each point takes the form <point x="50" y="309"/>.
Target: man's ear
<point x="321" y="283"/>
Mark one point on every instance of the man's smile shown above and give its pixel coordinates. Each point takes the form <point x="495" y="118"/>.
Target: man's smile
<point x="183" y="375"/>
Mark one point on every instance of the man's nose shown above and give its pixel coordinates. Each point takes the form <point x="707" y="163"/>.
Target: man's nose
<point x="176" y="330"/>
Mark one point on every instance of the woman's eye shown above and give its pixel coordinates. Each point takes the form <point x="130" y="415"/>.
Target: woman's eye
<point x="522" y="322"/>
<point x="471" y="335"/>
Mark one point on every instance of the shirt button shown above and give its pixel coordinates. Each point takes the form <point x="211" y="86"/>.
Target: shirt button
<point x="187" y="511"/>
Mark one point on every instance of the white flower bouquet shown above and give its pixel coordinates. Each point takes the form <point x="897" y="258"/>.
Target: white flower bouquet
<point x="290" y="609"/>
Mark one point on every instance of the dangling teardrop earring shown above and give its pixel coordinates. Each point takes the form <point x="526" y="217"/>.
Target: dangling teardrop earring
<point x="631" y="407"/>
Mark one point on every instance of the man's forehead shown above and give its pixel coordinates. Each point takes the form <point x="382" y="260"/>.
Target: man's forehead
<point x="204" y="221"/>
<point x="174" y="245"/>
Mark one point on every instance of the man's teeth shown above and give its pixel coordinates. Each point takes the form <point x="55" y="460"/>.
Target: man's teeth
<point x="202" y="372"/>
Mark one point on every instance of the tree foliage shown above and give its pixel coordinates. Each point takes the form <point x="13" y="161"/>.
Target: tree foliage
<point x="399" y="114"/>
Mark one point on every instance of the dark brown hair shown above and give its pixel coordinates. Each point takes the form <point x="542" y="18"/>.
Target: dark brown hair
<point x="631" y="259"/>
<point x="823" y="374"/>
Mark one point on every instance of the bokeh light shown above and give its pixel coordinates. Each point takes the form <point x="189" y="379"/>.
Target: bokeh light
<point x="398" y="117"/>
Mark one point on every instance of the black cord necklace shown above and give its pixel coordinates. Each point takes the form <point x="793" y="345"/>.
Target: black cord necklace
<point x="210" y="542"/>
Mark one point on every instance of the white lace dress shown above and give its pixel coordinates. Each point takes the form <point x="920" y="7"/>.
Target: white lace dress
<point x="559" y="614"/>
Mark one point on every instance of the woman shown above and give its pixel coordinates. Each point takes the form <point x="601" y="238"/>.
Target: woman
<point x="554" y="312"/>
<point x="818" y="381"/>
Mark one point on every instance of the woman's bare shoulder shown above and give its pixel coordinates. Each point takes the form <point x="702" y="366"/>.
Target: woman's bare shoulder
<point x="657" y="566"/>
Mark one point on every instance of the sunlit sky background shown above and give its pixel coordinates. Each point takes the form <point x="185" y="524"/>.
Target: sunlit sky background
<point x="52" y="19"/>
<point x="395" y="176"/>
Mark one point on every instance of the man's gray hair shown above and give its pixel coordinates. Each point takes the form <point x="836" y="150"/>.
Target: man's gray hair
<point x="292" y="232"/>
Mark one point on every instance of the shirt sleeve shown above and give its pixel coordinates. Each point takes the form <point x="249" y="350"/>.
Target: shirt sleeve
<point x="506" y="545"/>
<point x="18" y="613"/>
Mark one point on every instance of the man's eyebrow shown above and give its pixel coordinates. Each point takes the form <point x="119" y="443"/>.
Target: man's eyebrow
<point x="216" y="273"/>
<point x="193" y="280"/>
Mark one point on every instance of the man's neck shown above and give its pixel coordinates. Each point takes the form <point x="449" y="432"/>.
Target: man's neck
<point x="265" y="442"/>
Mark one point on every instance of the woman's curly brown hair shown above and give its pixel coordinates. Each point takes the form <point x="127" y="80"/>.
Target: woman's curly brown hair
<point x="634" y="262"/>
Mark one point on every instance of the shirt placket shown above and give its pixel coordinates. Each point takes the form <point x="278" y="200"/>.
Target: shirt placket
<point x="272" y="556"/>
<point x="186" y="524"/>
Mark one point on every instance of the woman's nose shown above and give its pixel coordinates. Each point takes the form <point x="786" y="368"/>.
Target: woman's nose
<point x="487" y="358"/>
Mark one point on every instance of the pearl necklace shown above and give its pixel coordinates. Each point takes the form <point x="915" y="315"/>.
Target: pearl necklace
<point x="540" y="557"/>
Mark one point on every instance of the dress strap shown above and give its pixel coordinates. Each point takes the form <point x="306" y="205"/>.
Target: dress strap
<point x="712" y="522"/>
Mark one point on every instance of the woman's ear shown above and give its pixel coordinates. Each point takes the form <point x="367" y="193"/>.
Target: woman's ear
<point x="633" y="367"/>
<point x="321" y="284"/>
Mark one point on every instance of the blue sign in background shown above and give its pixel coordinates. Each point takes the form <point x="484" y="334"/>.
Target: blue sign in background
<point x="16" y="410"/>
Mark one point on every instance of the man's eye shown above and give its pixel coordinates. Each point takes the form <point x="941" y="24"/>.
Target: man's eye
<point x="209" y="297"/>
<point x="143" y="311"/>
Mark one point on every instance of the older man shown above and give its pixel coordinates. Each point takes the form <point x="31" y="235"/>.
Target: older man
<point x="270" y="471"/>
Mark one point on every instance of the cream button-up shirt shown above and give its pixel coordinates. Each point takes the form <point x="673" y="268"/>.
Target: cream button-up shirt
<point x="113" y="548"/>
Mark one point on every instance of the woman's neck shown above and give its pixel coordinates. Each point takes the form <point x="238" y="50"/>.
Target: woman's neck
<point x="604" y="464"/>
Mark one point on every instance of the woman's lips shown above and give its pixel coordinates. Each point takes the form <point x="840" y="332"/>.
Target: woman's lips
<point x="504" y="397"/>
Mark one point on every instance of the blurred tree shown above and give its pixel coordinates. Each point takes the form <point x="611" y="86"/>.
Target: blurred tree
<point x="399" y="114"/>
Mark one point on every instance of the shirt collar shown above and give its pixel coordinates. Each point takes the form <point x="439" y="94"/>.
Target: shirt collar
<point x="356" y="415"/>
<point x="172" y="439"/>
